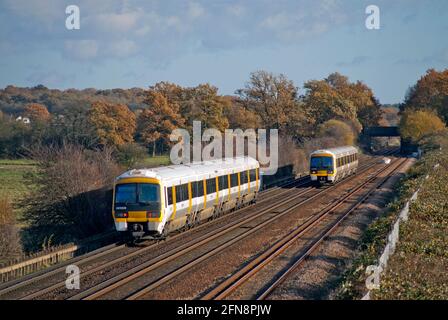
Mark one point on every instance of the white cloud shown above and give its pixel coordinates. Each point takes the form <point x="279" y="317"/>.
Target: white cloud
<point x="116" y="22"/>
<point x="122" y="48"/>
<point x="195" y="10"/>
<point x="81" y="49"/>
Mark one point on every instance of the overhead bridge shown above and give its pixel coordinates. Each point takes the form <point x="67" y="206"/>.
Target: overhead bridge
<point x="371" y="132"/>
<point x="381" y="131"/>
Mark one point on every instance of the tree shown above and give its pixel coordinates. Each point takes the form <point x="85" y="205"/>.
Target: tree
<point x="72" y="195"/>
<point x="430" y="92"/>
<point x="418" y="124"/>
<point x="323" y="102"/>
<point x="274" y="99"/>
<point x="339" y="130"/>
<point x="337" y="97"/>
<point x="158" y="120"/>
<point x="115" y="124"/>
<point x="36" y="112"/>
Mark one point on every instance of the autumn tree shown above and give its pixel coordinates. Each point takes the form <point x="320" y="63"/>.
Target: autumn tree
<point x="274" y="99"/>
<point x="36" y="112"/>
<point x="430" y="92"/>
<point x="156" y="122"/>
<point x="240" y="117"/>
<point x="418" y="124"/>
<point x="338" y="130"/>
<point x="114" y="123"/>
<point x="323" y="102"/>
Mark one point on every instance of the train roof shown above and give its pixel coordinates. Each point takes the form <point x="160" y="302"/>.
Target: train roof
<point x="175" y="174"/>
<point x="337" y="151"/>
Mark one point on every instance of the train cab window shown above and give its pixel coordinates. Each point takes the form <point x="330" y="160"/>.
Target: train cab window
<point x="211" y="185"/>
<point x="253" y="175"/>
<point x="233" y="180"/>
<point x="321" y="163"/>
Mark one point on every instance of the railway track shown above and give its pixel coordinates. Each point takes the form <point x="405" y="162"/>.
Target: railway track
<point x="105" y="252"/>
<point x="104" y="289"/>
<point x="116" y="250"/>
<point x="232" y="283"/>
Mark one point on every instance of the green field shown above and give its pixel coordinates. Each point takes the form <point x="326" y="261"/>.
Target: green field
<point x="13" y="178"/>
<point x="156" y="161"/>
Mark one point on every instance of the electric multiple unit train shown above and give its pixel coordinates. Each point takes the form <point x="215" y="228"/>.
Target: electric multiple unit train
<point x="331" y="165"/>
<point x="157" y="201"/>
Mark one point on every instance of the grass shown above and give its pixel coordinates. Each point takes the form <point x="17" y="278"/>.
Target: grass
<point x="156" y="161"/>
<point x="417" y="269"/>
<point x="13" y="179"/>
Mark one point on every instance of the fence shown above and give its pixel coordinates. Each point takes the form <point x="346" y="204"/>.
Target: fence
<point x="38" y="261"/>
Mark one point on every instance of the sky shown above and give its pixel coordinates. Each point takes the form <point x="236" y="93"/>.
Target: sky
<point x="137" y="43"/>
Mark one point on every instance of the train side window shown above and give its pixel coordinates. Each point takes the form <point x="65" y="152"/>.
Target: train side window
<point x="194" y="189"/>
<point x="223" y="182"/>
<point x="253" y="175"/>
<point x="243" y="177"/>
<point x="233" y="180"/>
<point x="170" y="195"/>
<point x="200" y="187"/>
<point x="182" y="192"/>
<point x="211" y="185"/>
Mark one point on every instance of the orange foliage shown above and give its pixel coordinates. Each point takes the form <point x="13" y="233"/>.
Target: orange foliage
<point x="115" y="123"/>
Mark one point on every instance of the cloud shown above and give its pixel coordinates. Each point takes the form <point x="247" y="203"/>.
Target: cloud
<point x="81" y="49"/>
<point x="356" y="61"/>
<point x="122" y="48"/>
<point x="50" y="78"/>
<point x="195" y="10"/>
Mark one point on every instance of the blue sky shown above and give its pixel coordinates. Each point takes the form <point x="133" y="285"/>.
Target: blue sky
<point x="136" y="43"/>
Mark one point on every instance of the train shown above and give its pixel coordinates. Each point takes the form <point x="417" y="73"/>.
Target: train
<point x="154" y="202"/>
<point x="334" y="164"/>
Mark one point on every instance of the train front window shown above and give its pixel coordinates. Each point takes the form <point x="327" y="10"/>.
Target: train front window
<point x="138" y="195"/>
<point x="148" y="192"/>
<point x="321" y="163"/>
<point x="126" y="193"/>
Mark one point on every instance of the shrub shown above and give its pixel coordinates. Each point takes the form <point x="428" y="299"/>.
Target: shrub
<point x="130" y="154"/>
<point x="9" y="237"/>
<point x="72" y="199"/>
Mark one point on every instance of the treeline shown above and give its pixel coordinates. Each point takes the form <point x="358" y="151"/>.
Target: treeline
<point x="424" y="112"/>
<point x="118" y="118"/>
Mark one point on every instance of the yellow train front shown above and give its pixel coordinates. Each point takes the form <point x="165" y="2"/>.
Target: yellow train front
<point x="334" y="164"/>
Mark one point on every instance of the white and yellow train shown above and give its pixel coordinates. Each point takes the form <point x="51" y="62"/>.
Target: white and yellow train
<point x="160" y="200"/>
<point x="331" y="165"/>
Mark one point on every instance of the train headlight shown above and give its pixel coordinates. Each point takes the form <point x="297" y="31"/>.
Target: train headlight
<point x="329" y="171"/>
<point x="121" y="215"/>
<point x="313" y="171"/>
<point x="150" y="214"/>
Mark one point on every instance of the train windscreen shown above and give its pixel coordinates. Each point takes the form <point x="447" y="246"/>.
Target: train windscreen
<point x="321" y="163"/>
<point x="138" y="196"/>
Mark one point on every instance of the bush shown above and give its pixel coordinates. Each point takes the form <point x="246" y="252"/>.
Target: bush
<point x="9" y="236"/>
<point x="416" y="125"/>
<point x="73" y="196"/>
<point x="130" y="154"/>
